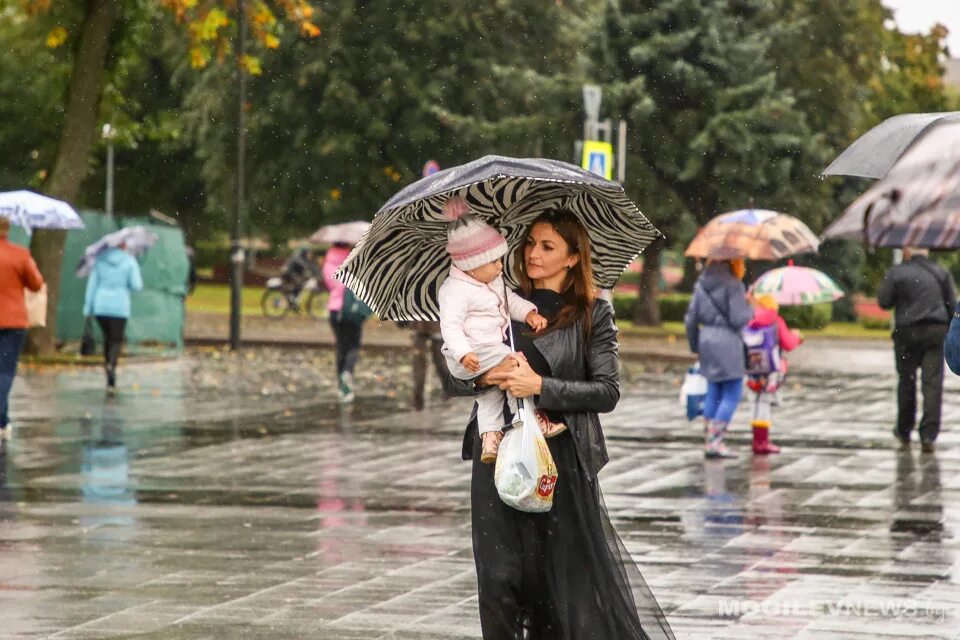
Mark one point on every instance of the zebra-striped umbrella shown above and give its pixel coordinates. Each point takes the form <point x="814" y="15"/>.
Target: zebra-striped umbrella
<point x="401" y="261"/>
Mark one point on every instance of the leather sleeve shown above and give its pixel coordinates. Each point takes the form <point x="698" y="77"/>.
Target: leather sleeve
<point x="600" y="391"/>
<point x="456" y="387"/>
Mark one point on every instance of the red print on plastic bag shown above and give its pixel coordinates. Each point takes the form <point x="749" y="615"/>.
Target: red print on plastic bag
<point x="547" y="483"/>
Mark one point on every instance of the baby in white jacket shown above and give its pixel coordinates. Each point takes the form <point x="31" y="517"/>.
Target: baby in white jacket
<point x="475" y="312"/>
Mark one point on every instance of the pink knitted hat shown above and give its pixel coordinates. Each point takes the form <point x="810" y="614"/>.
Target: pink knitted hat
<point x="471" y="242"/>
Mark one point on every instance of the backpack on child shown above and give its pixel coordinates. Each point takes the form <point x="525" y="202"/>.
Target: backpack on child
<point x="762" y="350"/>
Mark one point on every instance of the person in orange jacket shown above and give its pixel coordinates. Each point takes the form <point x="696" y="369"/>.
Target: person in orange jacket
<point x="18" y="271"/>
<point x="767" y="369"/>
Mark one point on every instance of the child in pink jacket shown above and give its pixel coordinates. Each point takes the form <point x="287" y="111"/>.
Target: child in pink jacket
<point x="765" y="386"/>
<point x="474" y="306"/>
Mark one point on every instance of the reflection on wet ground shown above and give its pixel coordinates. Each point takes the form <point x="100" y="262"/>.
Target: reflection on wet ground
<point x="170" y="511"/>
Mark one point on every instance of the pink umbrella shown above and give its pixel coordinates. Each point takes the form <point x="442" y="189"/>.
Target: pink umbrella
<point x="792" y="285"/>
<point x="346" y="233"/>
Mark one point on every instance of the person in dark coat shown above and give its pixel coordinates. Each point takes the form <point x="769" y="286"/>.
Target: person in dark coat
<point x="923" y="296"/>
<point x="564" y="573"/>
<point x="717" y="314"/>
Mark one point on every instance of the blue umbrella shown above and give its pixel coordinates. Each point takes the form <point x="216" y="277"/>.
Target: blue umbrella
<point x="33" y="211"/>
<point x="136" y="240"/>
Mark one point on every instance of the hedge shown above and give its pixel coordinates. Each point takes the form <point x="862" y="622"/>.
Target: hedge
<point x="673" y="306"/>
<point x="814" y="316"/>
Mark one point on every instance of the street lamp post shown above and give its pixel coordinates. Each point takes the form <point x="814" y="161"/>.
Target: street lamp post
<point x="236" y="250"/>
<point x="109" y="133"/>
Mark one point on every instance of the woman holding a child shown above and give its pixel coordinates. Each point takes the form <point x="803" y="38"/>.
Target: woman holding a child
<point x="565" y="573"/>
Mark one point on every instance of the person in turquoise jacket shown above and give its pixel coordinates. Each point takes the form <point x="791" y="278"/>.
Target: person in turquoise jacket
<point x="114" y="276"/>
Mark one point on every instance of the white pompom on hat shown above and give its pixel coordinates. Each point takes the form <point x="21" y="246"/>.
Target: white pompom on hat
<point x="471" y="242"/>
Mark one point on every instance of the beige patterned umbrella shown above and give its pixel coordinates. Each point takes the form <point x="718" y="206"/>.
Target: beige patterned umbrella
<point x="756" y="234"/>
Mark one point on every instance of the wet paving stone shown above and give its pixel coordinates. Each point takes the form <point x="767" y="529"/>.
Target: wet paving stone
<point x="193" y="505"/>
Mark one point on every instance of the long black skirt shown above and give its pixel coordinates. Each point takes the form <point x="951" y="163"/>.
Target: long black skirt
<point x="563" y="574"/>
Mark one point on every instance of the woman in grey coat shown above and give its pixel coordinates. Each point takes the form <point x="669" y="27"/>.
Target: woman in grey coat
<point x="718" y="312"/>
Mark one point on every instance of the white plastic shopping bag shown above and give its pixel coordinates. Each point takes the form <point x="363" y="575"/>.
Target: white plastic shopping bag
<point x="36" y="307"/>
<point x="693" y="392"/>
<point x="526" y="475"/>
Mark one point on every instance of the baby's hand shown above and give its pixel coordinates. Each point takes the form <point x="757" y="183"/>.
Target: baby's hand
<point x="802" y="338"/>
<point x="536" y="321"/>
<point x="470" y="362"/>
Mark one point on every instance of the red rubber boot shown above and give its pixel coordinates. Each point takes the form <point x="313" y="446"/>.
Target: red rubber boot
<point x="761" y="438"/>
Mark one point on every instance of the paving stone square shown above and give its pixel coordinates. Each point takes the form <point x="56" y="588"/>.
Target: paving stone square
<point x="178" y="510"/>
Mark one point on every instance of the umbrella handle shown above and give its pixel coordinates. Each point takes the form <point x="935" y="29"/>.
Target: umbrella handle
<point x="513" y="347"/>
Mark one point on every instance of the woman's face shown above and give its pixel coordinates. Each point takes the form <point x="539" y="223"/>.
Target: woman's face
<point x="546" y="254"/>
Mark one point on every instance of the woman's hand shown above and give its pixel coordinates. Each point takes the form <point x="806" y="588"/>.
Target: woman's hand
<point x="522" y="381"/>
<point x="498" y="374"/>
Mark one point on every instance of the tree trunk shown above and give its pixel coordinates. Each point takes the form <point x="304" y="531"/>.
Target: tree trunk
<point x="73" y="153"/>
<point x="647" y="310"/>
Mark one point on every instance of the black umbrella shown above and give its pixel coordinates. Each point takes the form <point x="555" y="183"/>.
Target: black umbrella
<point x="875" y="152"/>
<point x="401" y="261"/>
<point x="917" y="204"/>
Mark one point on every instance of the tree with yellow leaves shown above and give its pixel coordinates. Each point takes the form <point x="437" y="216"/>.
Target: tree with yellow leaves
<point x="89" y="32"/>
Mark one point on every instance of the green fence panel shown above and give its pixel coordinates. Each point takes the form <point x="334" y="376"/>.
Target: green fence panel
<point x="157" y="313"/>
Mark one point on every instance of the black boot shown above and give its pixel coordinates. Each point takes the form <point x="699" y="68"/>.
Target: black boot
<point x="111" y="377"/>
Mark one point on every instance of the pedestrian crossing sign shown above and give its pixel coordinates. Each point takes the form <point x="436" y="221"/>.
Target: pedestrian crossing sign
<point x="598" y="158"/>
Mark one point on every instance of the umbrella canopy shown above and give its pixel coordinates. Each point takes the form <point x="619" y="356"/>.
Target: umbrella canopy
<point x="346" y="233"/>
<point x="399" y="265"/>
<point x="916" y="204"/>
<point x="33" y="211"/>
<point x="757" y="234"/>
<point x="792" y="285"/>
<point x="874" y="153"/>
<point x="136" y="240"/>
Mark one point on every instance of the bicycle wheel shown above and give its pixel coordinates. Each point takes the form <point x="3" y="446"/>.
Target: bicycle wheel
<point x="274" y="304"/>
<point x="315" y="306"/>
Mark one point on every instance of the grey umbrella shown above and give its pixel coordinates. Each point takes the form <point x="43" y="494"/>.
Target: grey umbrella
<point x="917" y="203"/>
<point x="399" y="264"/>
<point x="875" y="152"/>
<point x="136" y="240"/>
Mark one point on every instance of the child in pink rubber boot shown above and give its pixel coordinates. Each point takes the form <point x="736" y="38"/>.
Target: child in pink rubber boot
<point x="767" y="337"/>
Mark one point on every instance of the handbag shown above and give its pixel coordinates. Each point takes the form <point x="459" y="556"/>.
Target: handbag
<point x="88" y="344"/>
<point x="36" y="302"/>
<point x="354" y="310"/>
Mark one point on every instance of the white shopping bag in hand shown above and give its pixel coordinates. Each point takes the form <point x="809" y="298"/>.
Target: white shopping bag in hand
<point x="526" y="474"/>
<point x="693" y="392"/>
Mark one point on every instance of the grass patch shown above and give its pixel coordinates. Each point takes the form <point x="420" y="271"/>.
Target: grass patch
<point x="215" y="298"/>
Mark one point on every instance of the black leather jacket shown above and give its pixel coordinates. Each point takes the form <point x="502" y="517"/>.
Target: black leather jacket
<point x="585" y="382"/>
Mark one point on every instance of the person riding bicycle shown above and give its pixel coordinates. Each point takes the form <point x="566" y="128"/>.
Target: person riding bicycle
<point x="301" y="266"/>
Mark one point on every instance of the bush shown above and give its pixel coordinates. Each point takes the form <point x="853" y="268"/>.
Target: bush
<point x="814" y="316"/>
<point x="631" y="278"/>
<point x="873" y="322"/>
<point x="623" y="305"/>
<point x="673" y="306"/>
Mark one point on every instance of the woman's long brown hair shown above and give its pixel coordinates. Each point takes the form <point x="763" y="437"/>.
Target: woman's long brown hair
<point x="578" y="291"/>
